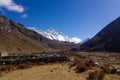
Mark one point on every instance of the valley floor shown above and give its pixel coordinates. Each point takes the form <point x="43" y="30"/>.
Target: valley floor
<point x="56" y="71"/>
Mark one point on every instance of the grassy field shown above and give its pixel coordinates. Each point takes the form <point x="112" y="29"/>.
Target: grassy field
<point x="79" y="68"/>
<point x="51" y="72"/>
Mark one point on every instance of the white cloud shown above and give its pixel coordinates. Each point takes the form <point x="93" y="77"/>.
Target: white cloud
<point x="11" y="6"/>
<point x="24" y="16"/>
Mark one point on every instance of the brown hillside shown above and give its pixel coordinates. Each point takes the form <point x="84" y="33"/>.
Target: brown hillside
<point x="15" y="38"/>
<point x="108" y="39"/>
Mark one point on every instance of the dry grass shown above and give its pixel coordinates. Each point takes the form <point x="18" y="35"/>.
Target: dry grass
<point x="82" y="63"/>
<point x="45" y="72"/>
<point x="96" y="75"/>
<point x="51" y="72"/>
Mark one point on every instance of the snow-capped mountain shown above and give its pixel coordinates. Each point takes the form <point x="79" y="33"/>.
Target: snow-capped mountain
<point x="55" y="35"/>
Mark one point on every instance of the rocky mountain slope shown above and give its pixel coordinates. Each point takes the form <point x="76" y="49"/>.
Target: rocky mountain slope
<point x="108" y="39"/>
<point x="15" y="38"/>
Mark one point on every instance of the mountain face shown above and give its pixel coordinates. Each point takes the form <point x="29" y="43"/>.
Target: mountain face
<point x="15" y="38"/>
<point x="108" y="39"/>
<point x="55" y="35"/>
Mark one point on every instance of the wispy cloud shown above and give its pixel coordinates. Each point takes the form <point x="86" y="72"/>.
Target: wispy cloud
<point x="24" y="16"/>
<point x="11" y="6"/>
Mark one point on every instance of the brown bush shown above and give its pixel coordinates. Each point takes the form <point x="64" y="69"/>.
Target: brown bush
<point x="2" y="69"/>
<point x="73" y="63"/>
<point x="96" y="75"/>
<point x="23" y="66"/>
<point x="11" y="68"/>
<point x="41" y="63"/>
<point x="81" y="67"/>
<point x="89" y="63"/>
<point x="1" y="74"/>
<point x="7" y="68"/>
<point x="106" y="69"/>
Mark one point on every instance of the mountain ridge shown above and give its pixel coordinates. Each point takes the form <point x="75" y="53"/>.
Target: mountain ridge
<point x="56" y="35"/>
<point x="108" y="39"/>
<point x="16" y="38"/>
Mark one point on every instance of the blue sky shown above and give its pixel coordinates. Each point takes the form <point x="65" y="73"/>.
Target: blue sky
<point x="80" y="18"/>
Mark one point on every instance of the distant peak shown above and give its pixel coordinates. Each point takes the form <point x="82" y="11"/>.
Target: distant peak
<point x="51" y="29"/>
<point x="54" y="34"/>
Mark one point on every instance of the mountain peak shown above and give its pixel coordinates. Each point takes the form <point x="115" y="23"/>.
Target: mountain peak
<point x="51" y="29"/>
<point x="16" y="38"/>
<point x="54" y="31"/>
<point x="56" y="35"/>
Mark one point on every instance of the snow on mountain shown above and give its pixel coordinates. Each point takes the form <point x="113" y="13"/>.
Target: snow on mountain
<point x="75" y="40"/>
<point x="55" y="35"/>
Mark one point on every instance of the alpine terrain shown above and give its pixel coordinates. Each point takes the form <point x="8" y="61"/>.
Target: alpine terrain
<point x="15" y="38"/>
<point x="108" y="39"/>
<point x="55" y="35"/>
